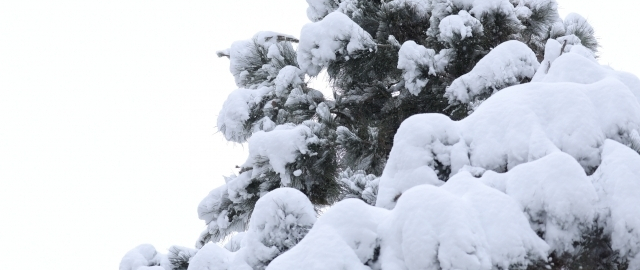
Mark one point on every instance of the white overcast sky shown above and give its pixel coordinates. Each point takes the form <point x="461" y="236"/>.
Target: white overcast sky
<point x="107" y="117"/>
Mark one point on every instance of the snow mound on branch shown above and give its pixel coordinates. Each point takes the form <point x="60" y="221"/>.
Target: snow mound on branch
<point x="574" y="67"/>
<point x="236" y="111"/>
<point x="356" y="222"/>
<point x="213" y="210"/>
<point x="264" y="71"/>
<point x="321" y="249"/>
<point x="458" y="27"/>
<point x="144" y="257"/>
<point x="556" y="195"/>
<point x="419" y="143"/>
<point x="506" y="65"/>
<point x="412" y="58"/>
<point x="278" y="147"/>
<point x="482" y="7"/>
<point x="318" y="9"/>
<point x="431" y="228"/>
<point x="288" y="76"/>
<point x="280" y="219"/>
<point x="242" y="50"/>
<point x="518" y="124"/>
<point x="334" y="36"/>
<point x="358" y="184"/>
<point x="351" y="228"/>
<point x="464" y="224"/>
<point x="617" y="182"/>
<point x="210" y="257"/>
<point x="509" y="237"/>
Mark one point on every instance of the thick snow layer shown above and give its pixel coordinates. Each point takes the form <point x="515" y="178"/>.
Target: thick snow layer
<point x="356" y="223"/>
<point x="507" y="64"/>
<point x="321" y="249"/>
<point x="556" y="195"/>
<point x="344" y="237"/>
<point x="454" y="28"/>
<point x="412" y="58"/>
<point x="144" y="257"/>
<point x="464" y="224"/>
<point x="516" y="125"/>
<point x="416" y="147"/>
<point x="575" y="67"/>
<point x="552" y="50"/>
<point x="431" y="228"/>
<point x="210" y="257"/>
<point x="509" y="236"/>
<point x="334" y="36"/>
<point x="235" y="243"/>
<point x="617" y="181"/>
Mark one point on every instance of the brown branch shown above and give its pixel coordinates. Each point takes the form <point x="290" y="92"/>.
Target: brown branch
<point x="561" y="52"/>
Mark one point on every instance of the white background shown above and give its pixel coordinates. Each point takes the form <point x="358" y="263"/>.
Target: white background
<point x="107" y="117"/>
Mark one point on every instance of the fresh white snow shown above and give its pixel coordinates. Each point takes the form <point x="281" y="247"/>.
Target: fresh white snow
<point x="336" y="35"/>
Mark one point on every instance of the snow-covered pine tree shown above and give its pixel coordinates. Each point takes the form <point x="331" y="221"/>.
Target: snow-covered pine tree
<point x="386" y="61"/>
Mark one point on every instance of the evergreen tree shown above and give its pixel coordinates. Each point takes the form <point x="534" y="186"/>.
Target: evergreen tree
<point x="386" y="61"/>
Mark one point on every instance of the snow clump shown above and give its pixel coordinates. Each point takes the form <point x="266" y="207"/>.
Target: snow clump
<point x="454" y="28"/>
<point x="412" y="57"/>
<point x="508" y="64"/>
<point x="345" y="237"/>
<point x="617" y="182"/>
<point x="334" y="36"/>
<point x="280" y="219"/>
<point x="144" y="257"/>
